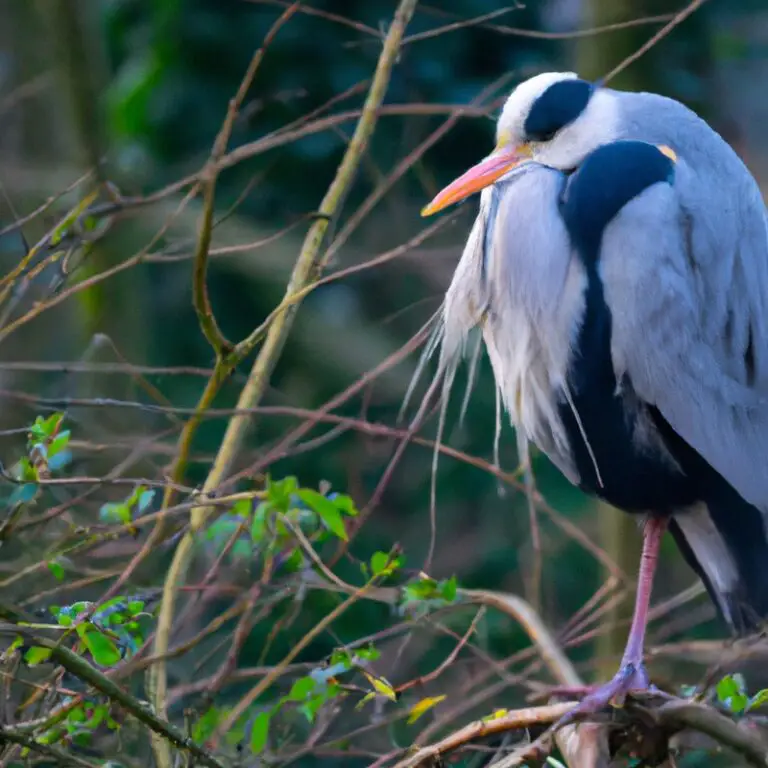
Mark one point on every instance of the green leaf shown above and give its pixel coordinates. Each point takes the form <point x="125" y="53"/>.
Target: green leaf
<point x="259" y="527"/>
<point x="42" y="429"/>
<point x="77" y="715"/>
<point x="242" y="508"/>
<point x="294" y="562"/>
<point x="729" y="685"/>
<point x="23" y="470"/>
<point x="731" y="693"/>
<point x="81" y="739"/>
<point x="279" y="492"/>
<point x="17" y="643"/>
<point x="58" y="444"/>
<point x="371" y="653"/>
<point x="105" y="653"/>
<point x="301" y="689"/>
<point x="448" y="590"/>
<point x="260" y="732"/>
<point x="56" y="569"/>
<point x="205" y="727"/>
<point x="326" y="510"/>
<point x="311" y="707"/>
<point x="760" y="698"/>
<point x="379" y="563"/>
<point x="341" y="656"/>
<point x="37" y="655"/>
<point x="99" y="714"/>
<point x="47" y="427"/>
<point x="345" y="504"/>
<point x="115" y="513"/>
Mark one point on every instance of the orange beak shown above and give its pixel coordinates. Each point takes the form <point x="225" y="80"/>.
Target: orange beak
<point x="486" y="172"/>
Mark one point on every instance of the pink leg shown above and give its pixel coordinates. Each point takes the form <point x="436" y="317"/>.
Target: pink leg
<point x="653" y="533"/>
<point x="631" y="675"/>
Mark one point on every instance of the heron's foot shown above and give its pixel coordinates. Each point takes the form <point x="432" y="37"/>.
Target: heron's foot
<point x="630" y="678"/>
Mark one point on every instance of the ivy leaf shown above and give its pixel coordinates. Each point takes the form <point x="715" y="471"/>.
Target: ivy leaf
<point x="420" y="707"/>
<point x="103" y="650"/>
<point x="326" y="510"/>
<point x="260" y="732"/>
<point x="37" y="655"/>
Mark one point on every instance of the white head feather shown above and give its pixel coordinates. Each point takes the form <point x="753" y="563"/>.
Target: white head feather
<point x="598" y="123"/>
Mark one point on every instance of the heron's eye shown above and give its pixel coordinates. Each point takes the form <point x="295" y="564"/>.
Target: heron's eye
<point x="544" y="137"/>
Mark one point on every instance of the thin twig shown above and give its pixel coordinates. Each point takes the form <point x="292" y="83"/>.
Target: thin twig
<point x="304" y="273"/>
<point x="88" y="674"/>
<point x="663" y="32"/>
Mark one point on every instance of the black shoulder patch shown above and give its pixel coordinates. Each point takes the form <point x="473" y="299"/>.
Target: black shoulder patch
<point x="557" y="107"/>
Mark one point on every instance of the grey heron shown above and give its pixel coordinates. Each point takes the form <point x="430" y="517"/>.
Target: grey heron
<point x="618" y="269"/>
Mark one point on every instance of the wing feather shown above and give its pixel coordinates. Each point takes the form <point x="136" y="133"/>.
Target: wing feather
<point x="689" y="329"/>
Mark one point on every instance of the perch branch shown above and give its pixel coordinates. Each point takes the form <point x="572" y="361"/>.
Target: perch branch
<point x="511" y="721"/>
<point x="672" y="716"/>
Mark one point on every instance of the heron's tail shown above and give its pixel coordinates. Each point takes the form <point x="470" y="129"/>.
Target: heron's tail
<point x="725" y="542"/>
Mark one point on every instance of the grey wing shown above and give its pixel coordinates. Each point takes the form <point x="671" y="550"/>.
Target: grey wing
<point x="689" y="328"/>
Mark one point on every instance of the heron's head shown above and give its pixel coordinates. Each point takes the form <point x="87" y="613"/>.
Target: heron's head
<point x="554" y="118"/>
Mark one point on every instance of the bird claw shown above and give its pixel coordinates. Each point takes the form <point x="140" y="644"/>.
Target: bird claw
<point x="629" y="679"/>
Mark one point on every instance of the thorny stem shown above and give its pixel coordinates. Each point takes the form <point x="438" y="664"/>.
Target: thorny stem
<point x="304" y="273"/>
